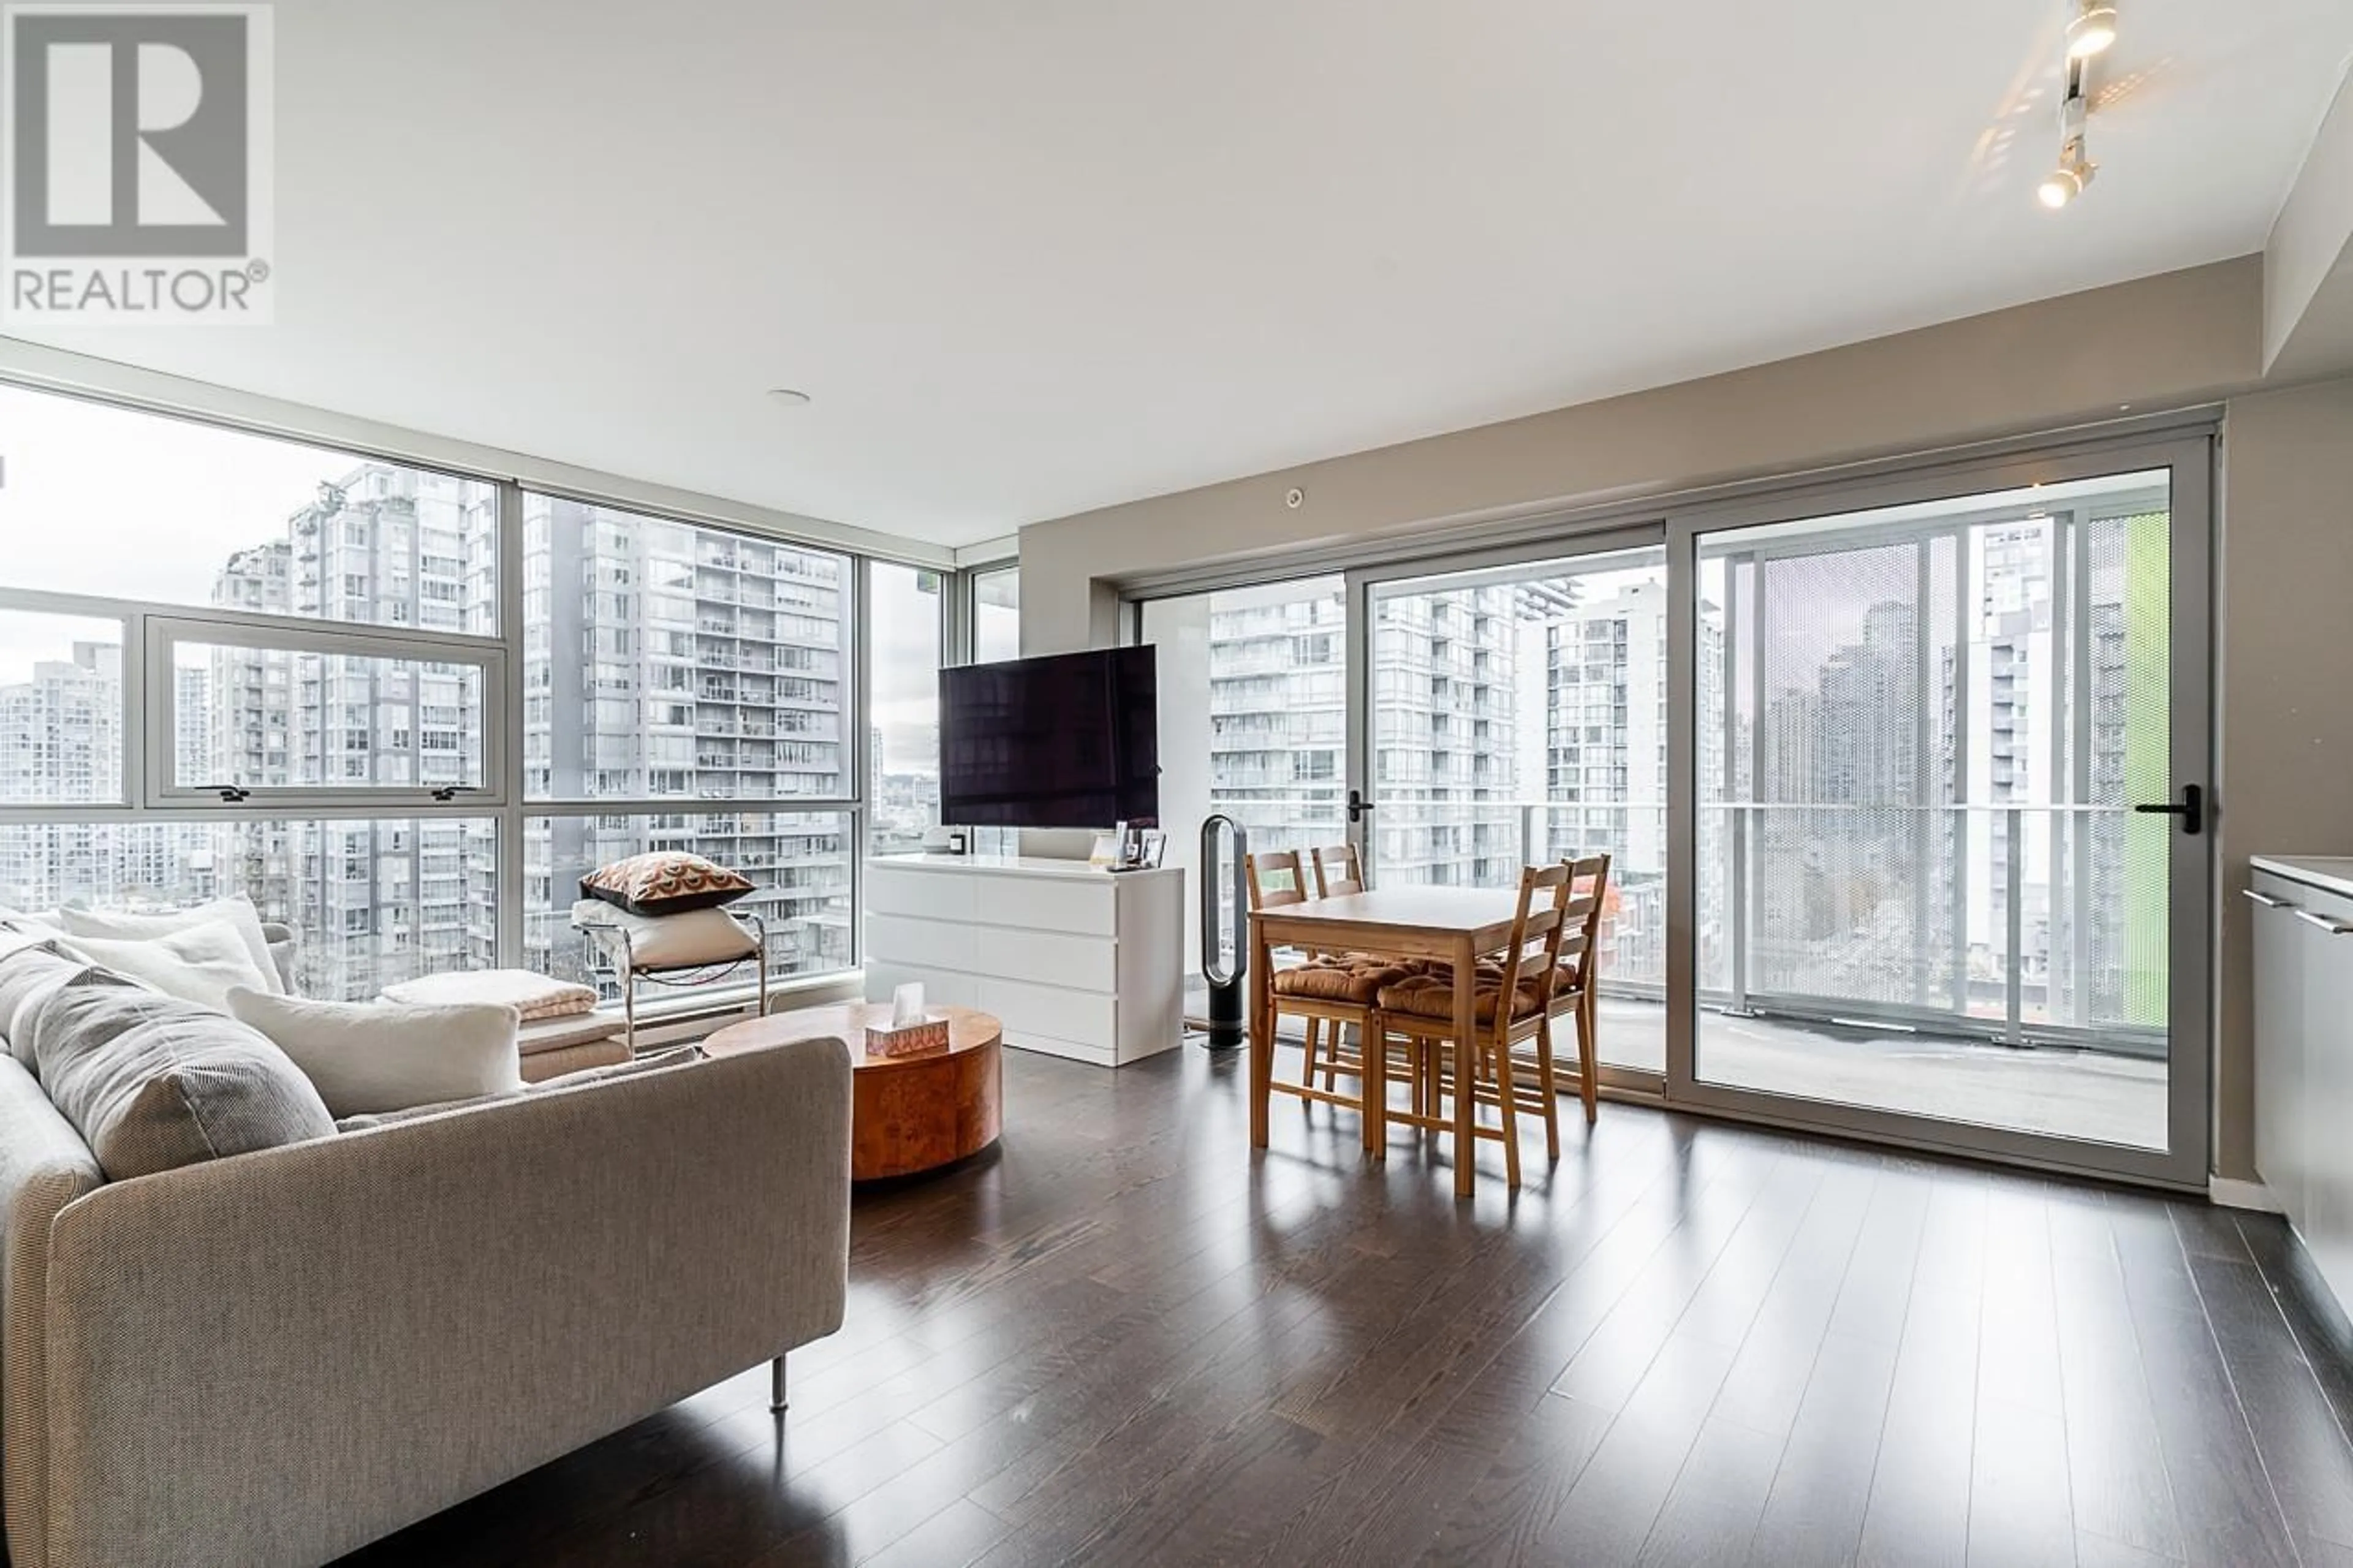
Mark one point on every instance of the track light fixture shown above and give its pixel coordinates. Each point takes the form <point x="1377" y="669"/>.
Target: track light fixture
<point x="2075" y="169"/>
<point x="2065" y="182"/>
<point x="2092" y="30"/>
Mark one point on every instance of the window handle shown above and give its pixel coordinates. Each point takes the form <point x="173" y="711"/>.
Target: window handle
<point x="448" y="793"/>
<point x="230" y="793"/>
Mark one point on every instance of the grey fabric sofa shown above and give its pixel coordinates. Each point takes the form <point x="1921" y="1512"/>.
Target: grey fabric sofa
<point x="277" y="1357"/>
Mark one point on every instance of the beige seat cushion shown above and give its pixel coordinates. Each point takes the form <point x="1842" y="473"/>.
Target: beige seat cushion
<point x="153" y="1083"/>
<point x="538" y="1066"/>
<point x="544" y="1035"/>
<point x="1432" y="996"/>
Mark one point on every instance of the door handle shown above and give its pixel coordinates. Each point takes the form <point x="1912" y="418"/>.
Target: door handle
<point x="2334" y="928"/>
<point x="2265" y="900"/>
<point x="2191" y="809"/>
<point x="1358" y="805"/>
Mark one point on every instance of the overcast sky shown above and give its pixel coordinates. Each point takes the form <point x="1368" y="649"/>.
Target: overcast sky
<point x="96" y="499"/>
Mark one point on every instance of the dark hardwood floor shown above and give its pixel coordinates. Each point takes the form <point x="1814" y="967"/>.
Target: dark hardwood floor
<point x="1122" y="1340"/>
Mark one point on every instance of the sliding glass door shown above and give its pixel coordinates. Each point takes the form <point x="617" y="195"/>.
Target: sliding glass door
<point x="1515" y="712"/>
<point x="1899" y="776"/>
<point x="1948" y="877"/>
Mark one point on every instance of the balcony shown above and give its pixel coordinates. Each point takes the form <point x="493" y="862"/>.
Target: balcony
<point x="1841" y="955"/>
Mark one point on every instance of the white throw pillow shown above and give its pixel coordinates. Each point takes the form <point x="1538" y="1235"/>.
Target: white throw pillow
<point x="690" y="941"/>
<point x="118" y="924"/>
<point x="201" y="965"/>
<point x="365" y="1058"/>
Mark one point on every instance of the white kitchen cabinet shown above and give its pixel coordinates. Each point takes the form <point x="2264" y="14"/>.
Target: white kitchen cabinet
<point x="2303" y="1052"/>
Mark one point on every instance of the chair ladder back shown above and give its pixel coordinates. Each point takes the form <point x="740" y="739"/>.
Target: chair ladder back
<point x="1542" y="928"/>
<point x="1274" y="878"/>
<point x="1589" y="875"/>
<point x="1338" y="871"/>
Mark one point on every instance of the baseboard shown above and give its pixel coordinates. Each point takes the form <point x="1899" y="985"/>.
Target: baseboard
<point x="2231" y="1193"/>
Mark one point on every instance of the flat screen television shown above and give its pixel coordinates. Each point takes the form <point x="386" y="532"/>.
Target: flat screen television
<point x="1068" y="740"/>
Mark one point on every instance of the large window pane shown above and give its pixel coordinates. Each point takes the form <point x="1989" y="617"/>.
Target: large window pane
<point x="264" y="718"/>
<point x="370" y="902"/>
<point x="132" y="505"/>
<point x="997" y="614"/>
<point x="1253" y="716"/>
<point x="665" y="659"/>
<point x="60" y="710"/>
<point x="801" y="862"/>
<point x="1520" y="716"/>
<point x="905" y="742"/>
<point x="1923" y="888"/>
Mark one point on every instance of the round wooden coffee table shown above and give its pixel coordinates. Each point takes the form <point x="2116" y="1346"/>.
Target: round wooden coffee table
<point x="910" y="1113"/>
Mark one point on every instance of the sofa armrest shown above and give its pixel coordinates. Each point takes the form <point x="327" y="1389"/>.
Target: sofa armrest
<point x="276" y="1358"/>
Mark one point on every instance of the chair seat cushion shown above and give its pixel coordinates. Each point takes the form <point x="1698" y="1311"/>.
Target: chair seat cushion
<point x="1352" y="979"/>
<point x="1432" y="996"/>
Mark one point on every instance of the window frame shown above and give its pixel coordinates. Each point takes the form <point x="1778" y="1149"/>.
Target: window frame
<point x="153" y="629"/>
<point x="162" y="634"/>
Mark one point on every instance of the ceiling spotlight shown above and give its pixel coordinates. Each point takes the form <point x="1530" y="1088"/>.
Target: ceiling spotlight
<point x="2065" y="182"/>
<point x="2074" y="172"/>
<point x="2092" y="30"/>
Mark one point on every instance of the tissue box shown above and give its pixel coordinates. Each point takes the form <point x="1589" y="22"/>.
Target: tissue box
<point x="907" y="1040"/>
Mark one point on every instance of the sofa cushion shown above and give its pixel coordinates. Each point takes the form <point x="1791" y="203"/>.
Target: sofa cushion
<point x="657" y="1061"/>
<point x="366" y="1058"/>
<point x="153" y="1082"/>
<point x="664" y="883"/>
<point x="28" y="978"/>
<point x="199" y="963"/>
<point x="678" y="1056"/>
<point x="121" y="924"/>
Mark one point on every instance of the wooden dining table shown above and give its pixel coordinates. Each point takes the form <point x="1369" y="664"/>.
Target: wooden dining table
<point x="1457" y="925"/>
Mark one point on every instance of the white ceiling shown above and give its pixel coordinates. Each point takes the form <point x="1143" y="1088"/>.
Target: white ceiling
<point x="1037" y="256"/>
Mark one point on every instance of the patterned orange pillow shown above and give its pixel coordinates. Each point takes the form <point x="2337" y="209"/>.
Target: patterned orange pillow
<point x="664" y="884"/>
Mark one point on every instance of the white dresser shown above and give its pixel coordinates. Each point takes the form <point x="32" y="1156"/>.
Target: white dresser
<point x="1073" y="961"/>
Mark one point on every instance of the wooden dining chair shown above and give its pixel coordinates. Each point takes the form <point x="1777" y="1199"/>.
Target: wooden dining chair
<point x="1338" y="871"/>
<point x="1513" y="1006"/>
<point x="1327" y="993"/>
<point x="1575" y="988"/>
<point x="1337" y="874"/>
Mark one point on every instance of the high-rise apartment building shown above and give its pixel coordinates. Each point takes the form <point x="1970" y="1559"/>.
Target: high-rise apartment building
<point x="61" y="740"/>
<point x="664" y="661"/>
<point x="1605" y="778"/>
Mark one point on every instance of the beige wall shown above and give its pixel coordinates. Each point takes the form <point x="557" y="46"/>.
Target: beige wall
<point x="2165" y="341"/>
<point x="2283" y="680"/>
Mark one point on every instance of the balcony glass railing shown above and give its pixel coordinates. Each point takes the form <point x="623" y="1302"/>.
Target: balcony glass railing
<point x="2020" y="923"/>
